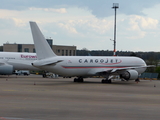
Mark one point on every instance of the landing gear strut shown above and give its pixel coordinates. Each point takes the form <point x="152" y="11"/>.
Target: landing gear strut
<point x="79" y="79"/>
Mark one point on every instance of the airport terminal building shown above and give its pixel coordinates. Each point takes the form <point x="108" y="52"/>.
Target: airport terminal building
<point x="58" y="49"/>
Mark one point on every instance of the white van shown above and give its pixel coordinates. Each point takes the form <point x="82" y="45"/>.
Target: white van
<point x="22" y="72"/>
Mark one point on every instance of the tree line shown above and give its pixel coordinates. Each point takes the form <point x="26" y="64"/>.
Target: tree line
<point x="144" y="55"/>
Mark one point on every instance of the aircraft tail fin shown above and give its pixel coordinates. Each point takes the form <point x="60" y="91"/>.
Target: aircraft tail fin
<point x="42" y="47"/>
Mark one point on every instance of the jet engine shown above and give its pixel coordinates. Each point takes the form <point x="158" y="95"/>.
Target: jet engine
<point x="130" y="75"/>
<point x="6" y="69"/>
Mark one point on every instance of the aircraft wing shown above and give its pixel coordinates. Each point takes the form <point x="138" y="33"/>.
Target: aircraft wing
<point x="127" y="68"/>
<point x="104" y="71"/>
<point x="3" y="62"/>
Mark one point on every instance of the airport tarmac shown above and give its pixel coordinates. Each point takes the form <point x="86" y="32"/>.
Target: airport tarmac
<point x="36" y="98"/>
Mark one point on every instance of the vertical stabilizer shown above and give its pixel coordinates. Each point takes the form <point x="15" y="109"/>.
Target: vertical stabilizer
<point x="42" y="47"/>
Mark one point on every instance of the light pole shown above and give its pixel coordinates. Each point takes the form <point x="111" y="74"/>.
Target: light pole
<point x="115" y="6"/>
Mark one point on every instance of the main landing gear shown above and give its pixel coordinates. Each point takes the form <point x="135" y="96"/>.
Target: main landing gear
<point x="137" y="80"/>
<point x="79" y="79"/>
<point x="106" y="81"/>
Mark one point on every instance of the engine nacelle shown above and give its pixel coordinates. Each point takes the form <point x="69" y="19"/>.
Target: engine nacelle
<point x="6" y="69"/>
<point x="130" y="75"/>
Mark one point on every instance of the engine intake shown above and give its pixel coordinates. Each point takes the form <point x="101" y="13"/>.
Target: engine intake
<point x="130" y="75"/>
<point x="6" y="69"/>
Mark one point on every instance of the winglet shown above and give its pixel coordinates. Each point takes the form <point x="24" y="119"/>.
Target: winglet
<point x="42" y="47"/>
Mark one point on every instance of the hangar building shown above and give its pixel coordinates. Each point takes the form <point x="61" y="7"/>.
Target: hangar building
<point x="58" y="49"/>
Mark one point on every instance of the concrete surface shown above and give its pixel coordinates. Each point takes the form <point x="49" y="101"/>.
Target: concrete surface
<point x="37" y="98"/>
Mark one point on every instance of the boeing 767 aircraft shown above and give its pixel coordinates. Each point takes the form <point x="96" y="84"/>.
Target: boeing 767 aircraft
<point x="128" y="68"/>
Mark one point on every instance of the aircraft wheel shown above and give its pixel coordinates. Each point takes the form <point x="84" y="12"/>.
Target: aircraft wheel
<point x="78" y="79"/>
<point x="109" y="81"/>
<point x="81" y="80"/>
<point x="106" y="81"/>
<point x="103" y="81"/>
<point x="75" y="80"/>
<point x="137" y="80"/>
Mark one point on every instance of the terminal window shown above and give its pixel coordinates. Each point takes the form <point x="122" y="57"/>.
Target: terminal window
<point x="66" y="52"/>
<point x="70" y="52"/>
<point x="26" y="49"/>
<point x="58" y="51"/>
<point x="34" y="50"/>
<point x="62" y="52"/>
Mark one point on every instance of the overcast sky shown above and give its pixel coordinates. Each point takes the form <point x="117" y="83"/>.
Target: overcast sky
<point x="83" y="23"/>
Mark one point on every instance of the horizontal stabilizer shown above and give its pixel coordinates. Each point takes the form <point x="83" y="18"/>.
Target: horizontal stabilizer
<point x="40" y="63"/>
<point x="42" y="47"/>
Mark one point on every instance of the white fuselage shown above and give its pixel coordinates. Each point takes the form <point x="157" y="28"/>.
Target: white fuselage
<point x="71" y="65"/>
<point x="20" y="61"/>
<point x="89" y="65"/>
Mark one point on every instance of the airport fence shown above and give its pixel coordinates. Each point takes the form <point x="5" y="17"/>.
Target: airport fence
<point x="147" y="75"/>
